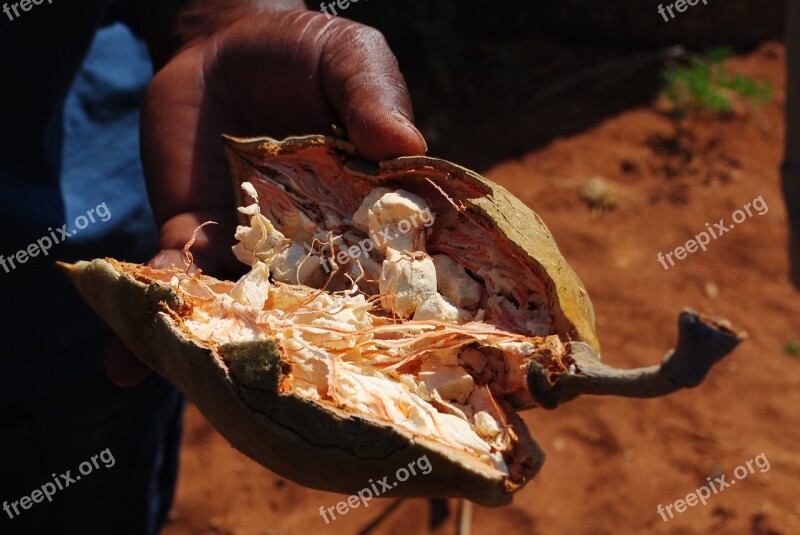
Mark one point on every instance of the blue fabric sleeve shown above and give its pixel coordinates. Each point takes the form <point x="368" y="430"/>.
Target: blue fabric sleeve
<point x="69" y="158"/>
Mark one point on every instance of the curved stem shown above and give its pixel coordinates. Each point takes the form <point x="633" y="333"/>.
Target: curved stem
<point x="702" y="342"/>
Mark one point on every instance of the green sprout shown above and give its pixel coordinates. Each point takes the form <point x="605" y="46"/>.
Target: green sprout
<point x="704" y="84"/>
<point x="792" y="348"/>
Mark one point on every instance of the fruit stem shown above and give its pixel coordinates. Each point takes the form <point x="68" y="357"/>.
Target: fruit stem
<point x="702" y="342"/>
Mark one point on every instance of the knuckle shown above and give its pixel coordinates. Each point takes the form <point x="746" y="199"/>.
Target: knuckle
<point x="354" y="34"/>
<point x="370" y="36"/>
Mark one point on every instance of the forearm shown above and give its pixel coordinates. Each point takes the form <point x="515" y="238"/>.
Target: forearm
<point x="169" y="25"/>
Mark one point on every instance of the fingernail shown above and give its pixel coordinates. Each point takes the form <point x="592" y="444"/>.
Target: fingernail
<point x="405" y="121"/>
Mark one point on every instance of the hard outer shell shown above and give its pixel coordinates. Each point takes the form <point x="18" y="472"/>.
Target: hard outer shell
<point x="237" y="386"/>
<point x="236" y="389"/>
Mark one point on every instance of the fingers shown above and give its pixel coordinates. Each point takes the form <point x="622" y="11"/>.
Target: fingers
<point x="122" y="367"/>
<point x="298" y="72"/>
<point x="167" y="258"/>
<point x="361" y="78"/>
<point x="181" y="146"/>
<point x="211" y="250"/>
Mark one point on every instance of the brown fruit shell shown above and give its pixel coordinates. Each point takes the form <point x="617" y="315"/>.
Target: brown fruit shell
<point x="236" y="386"/>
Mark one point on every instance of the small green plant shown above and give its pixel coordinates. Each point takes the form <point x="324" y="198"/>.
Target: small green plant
<point x="704" y="84"/>
<point x="792" y="348"/>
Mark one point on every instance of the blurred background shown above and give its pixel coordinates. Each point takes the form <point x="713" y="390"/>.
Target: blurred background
<point x="475" y="67"/>
<point x="627" y="134"/>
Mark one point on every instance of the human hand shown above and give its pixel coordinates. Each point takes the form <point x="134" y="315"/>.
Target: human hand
<point x="278" y="74"/>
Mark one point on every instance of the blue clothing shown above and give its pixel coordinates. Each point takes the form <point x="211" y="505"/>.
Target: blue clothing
<point x="74" y="75"/>
<point x="69" y="153"/>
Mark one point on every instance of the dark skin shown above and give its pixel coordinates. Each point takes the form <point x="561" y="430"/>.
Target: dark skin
<point x="249" y="69"/>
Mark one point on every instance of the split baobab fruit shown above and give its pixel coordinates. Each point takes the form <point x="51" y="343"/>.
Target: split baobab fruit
<point x="391" y="311"/>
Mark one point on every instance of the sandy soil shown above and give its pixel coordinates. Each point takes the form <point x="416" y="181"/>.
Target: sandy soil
<point x="610" y="462"/>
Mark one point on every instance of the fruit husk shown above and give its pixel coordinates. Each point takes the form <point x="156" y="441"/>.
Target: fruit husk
<point x="237" y="386"/>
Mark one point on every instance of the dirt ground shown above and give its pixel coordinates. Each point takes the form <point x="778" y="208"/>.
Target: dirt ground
<point x="656" y="181"/>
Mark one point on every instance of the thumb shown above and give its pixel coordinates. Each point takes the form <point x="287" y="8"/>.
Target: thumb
<point x="362" y="80"/>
